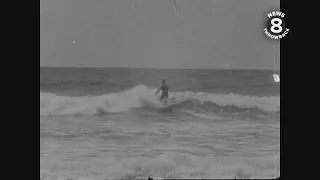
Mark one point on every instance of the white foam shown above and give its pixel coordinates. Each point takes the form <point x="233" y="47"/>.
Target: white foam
<point x="166" y="165"/>
<point x="142" y="97"/>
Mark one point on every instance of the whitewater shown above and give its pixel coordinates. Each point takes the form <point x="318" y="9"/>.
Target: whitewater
<point x="96" y="129"/>
<point x="142" y="97"/>
<point x="139" y="105"/>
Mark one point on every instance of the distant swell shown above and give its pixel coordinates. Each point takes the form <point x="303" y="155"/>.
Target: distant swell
<point x="142" y="97"/>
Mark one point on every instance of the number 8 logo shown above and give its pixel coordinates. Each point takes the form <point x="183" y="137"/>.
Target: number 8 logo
<point x="276" y="27"/>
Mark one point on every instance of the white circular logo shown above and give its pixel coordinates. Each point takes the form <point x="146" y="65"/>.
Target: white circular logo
<point x="276" y="27"/>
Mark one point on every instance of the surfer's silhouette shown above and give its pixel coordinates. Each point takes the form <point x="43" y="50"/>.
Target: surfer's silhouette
<point x="164" y="91"/>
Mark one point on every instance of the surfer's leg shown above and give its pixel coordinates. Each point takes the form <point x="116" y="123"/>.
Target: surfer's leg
<point x="161" y="97"/>
<point x="165" y="100"/>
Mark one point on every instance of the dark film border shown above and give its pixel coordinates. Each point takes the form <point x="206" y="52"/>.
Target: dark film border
<point x="288" y="62"/>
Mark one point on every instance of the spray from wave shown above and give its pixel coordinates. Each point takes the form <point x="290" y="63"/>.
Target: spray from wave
<point x="142" y="97"/>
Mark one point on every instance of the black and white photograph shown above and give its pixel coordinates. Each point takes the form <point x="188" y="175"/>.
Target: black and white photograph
<point x="160" y="89"/>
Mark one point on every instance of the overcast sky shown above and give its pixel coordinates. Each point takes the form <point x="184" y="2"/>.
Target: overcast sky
<point x="151" y="34"/>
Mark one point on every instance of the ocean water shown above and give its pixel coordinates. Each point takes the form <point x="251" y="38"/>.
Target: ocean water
<point x="106" y="123"/>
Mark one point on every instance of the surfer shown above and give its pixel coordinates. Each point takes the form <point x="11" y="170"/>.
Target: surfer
<point x="164" y="91"/>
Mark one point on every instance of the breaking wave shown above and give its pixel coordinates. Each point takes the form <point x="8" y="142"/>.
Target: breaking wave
<point x="143" y="97"/>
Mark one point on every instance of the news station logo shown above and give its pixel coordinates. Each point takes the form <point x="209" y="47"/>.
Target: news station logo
<point x="276" y="26"/>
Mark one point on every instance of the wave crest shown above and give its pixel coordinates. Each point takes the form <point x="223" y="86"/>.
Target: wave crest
<point x="142" y="97"/>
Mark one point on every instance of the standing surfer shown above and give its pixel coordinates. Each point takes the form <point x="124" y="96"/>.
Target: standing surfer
<point x="164" y="91"/>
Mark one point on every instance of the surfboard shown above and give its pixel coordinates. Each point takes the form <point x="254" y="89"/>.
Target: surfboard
<point x="171" y="103"/>
<point x="169" y="106"/>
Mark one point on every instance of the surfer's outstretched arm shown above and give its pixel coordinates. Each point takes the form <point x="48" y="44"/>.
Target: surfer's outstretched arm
<point x="158" y="91"/>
